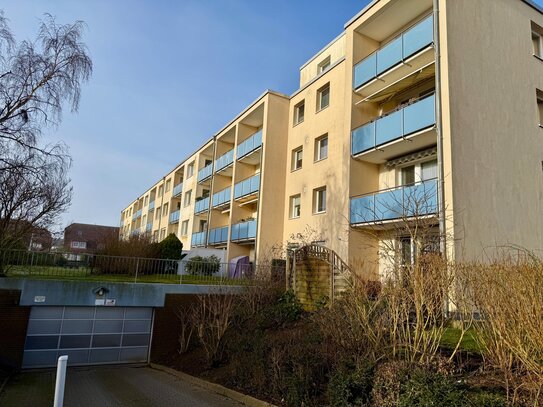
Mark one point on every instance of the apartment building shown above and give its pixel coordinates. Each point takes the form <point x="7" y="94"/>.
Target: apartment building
<point x="420" y="111"/>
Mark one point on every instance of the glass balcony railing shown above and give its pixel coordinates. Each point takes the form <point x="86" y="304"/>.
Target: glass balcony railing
<point x="243" y="231"/>
<point x="222" y="197"/>
<point x="136" y="215"/>
<point x="398" y="50"/>
<point x="174" y="216"/>
<point x="178" y="189"/>
<point x="218" y="235"/>
<point x="397" y="203"/>
<point x="202" y="205"/>
<point x="151" y="206"/>
<point x="394" y="126"/>
<point x="199" y="239"/>
<point x="135" y="232"/>
<point x="249" y="145"/>
<point x="224" y="160"/>
<point x="149" y="227"/>
<point x="205" y="173"/>
<point x="247" y="187"/>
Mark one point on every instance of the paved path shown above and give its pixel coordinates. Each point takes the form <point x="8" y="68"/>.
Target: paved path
<point x="110" y="386"/>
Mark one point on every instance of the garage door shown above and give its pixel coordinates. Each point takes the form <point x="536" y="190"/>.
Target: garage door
<point x="88" y="335"/>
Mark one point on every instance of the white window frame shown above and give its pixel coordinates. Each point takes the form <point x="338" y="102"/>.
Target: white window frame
<point x="324" y="65"/>
<point x="293" y="199"/>
<point x="187" y="199"/>
<point x="168" y="184"/>
<point x="297" y="107"/>
<point x="539" y="52"/>
<point x="78" y="245"/>
<point x="418" y="170"/>
<point x="190" y="170"/>
<point x="316" y="196"/>
<point x="540" y="107"/>
<point x="319" y="97"/>
<point x="184" y="228"/>
<point x="295" y="161"/>
<point x="318" y="141"/>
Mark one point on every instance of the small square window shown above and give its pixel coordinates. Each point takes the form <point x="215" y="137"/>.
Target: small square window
<point x="184" y="227"/>
<point x="297" y="156"/>
<point x="537" y="40"/>
<point x="323" y="65"/>
<point x="299" y="112"/>
<point x="321" y="148"/>
<point x="323" y="97"/>
<point x="295" y="206"/>
<point x="319" y="200"/>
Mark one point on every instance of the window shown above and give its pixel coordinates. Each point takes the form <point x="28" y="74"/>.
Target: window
<point x="203" y="225"/>
<point x="537" y="40"/>
<point x="155" y="235"/>
<point x="297" y="156"/>
<point x="158" y="212"/>
<point x="319" y="200"/>
<point x="323" y="65"/>
<point x="165" y="209"/>
<point x="408" y="175"/>
<point x="145" y="200"/>
<point x="160" y="189"/>
<point x="299" y="112"/>
<point x="162" y="233"/>
<point x="295" y="206"/>
<point x="539" y="94"/>
<point x="321" y="148"/>
<point x="144" y="218"/>
<point x="184" y="227"/>
<point x="79" y="245"/>
<point x="419" y="172"/>
<point x="323" y="97"/>
<point x="168" y="184"/>
<point x="188" y="198"/>
<point x="190" y="170"/>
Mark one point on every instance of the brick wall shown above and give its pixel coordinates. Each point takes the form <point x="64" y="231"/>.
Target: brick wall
<point x="13" y="324"/>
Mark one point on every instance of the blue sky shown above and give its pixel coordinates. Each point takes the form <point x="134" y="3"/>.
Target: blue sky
<point x="167" y="75"/>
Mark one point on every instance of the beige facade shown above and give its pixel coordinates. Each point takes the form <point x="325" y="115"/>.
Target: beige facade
<point x="419" y="111"/>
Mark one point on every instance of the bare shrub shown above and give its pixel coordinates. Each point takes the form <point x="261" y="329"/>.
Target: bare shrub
<point x="186" y="330"/>
<point x="508" y="295"/>
<point x="212" y="316"/>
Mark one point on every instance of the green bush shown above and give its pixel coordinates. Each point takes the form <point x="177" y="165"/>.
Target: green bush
<point x="286" y="309"/>
<point x="170" y="248"/>
<point x="425" y="388"/>
<point x="203" y="266"/>
<point x="486" y="399"/>
<point x="351" y="386"/>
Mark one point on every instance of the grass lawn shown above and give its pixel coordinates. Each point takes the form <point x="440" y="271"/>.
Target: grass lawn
<point x="469" y="342"/>
<point x="86" y="274"/>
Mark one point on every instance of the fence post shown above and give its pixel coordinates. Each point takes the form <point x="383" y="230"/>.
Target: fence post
<point x="137" y="266"/>
<point x="60" y="381"/>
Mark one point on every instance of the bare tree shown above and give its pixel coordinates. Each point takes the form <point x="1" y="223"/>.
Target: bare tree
<point x="36" y="80"/>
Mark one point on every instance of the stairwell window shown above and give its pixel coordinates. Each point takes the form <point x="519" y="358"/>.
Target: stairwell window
<point x="537" y="40"/>
<point x="297" y="156"/>
<point x="539" y="95"/>
<point x="184" y="227"/>
<point x="295" y="206"/>
<point x="319" y="200"/>
<point x="323" y="97"/>
<point x="321" y="148"/>
<point x="299" y="112"/>
<point x="168" y="184"/>
<point x="188" y="198"/>
<point x="323" y="65"/>
<point x="165" y="210"/>
<point x="190" y="170"/>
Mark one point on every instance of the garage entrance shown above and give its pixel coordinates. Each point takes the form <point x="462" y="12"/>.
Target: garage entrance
<point x="88" y="335"/>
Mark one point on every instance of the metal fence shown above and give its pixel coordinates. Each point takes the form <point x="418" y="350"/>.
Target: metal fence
<point x="94" y="267"/>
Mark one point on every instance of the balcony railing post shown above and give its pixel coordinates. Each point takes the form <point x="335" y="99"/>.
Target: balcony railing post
<point x="137" y="267"/>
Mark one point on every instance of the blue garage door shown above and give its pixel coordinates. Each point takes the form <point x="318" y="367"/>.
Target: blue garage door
<point x="88" y="335"/>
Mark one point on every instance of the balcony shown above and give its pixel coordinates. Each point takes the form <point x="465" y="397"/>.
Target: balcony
<point x="135" y="232"/>
<point x="243" y="231"/>
<point x="174" y="216"/>
<point x="205" y="173"/>
<point x="218" y="235"/>
<point x="151" y="206"/>
<point x="247" y="189"/>
<point x="177" y="190"/>
<point x="406" y="54"/>
<point x="407" y="129"/>
<point x="401" y="203"/>
<point x="221" y="199"/>
<point x="136" y="215"/>
<point x="201" y="206"/>
<point x="224" y="161"/>
<point x="247" y="148"/>
<point x="149" y="227"/>
<point x="199" y="239"/>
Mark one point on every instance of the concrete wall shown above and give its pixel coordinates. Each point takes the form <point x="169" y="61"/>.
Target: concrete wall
<point x="13" y="321"/>
<point x="494" y="144"/>
<point x="335" y="51"/>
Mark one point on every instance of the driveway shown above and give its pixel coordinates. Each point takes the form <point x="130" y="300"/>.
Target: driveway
<point x="110" y="386"/>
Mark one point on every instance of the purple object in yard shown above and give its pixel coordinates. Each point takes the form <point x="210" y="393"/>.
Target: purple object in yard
<point x="240" y="267"/>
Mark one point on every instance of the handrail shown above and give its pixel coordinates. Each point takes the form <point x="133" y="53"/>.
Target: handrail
<point x="379" y="191"/>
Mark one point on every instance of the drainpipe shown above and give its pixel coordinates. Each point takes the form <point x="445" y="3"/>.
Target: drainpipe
<point x="211" y="189"/>
<point x="439" y="130"/>
<point x="161" y="206"/>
